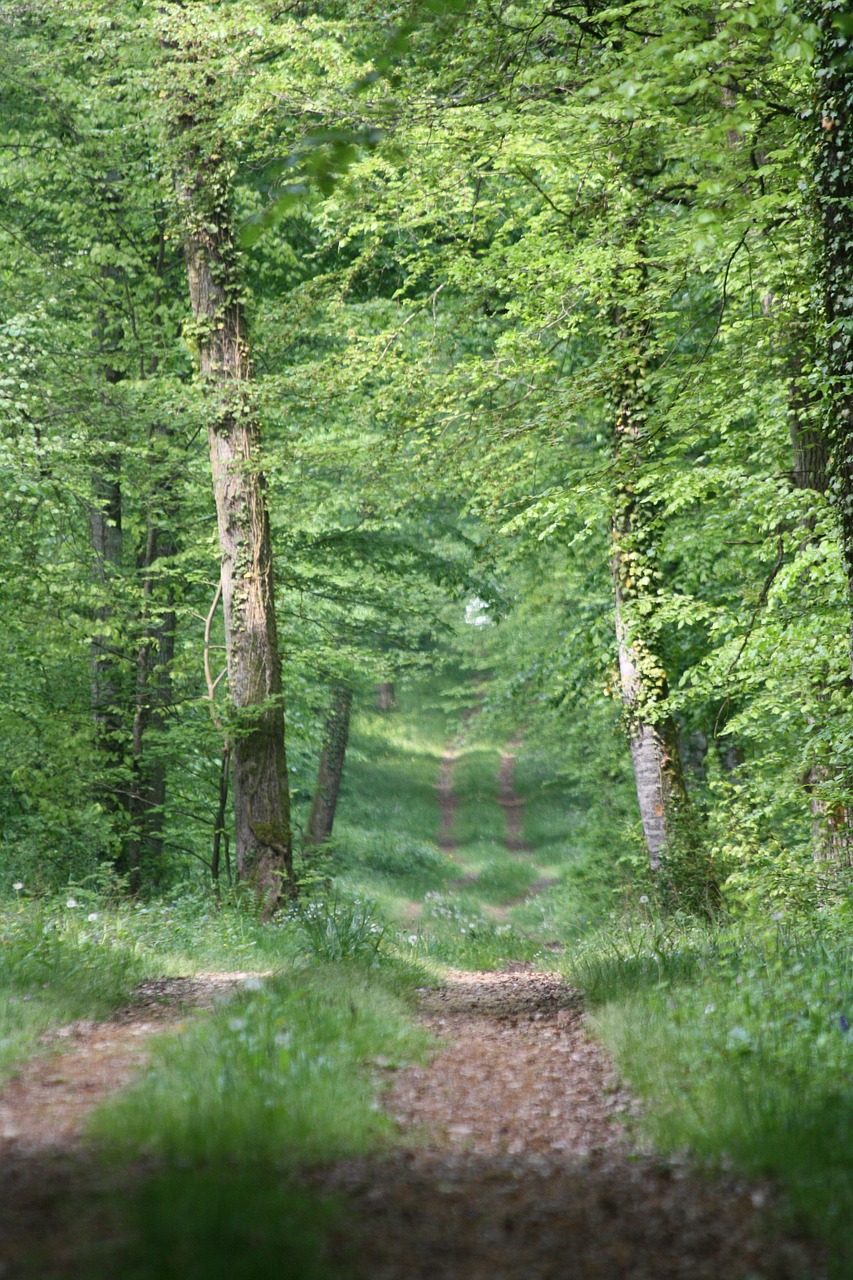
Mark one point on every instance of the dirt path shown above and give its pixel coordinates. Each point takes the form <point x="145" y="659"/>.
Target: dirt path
<point x="512" y="804"/>
<point x="514" y="1163"/>
<point x="44" y="1167"/>
<point x="524" y="1171"/>
<point x="447" y="800"/>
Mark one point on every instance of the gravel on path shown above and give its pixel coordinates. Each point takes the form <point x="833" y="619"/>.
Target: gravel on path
<point x="519" y="1165"/>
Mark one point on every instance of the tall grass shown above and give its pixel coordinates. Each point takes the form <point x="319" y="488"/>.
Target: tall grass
<point x="232" y="1109"/>
<point x="739" y="1039"/>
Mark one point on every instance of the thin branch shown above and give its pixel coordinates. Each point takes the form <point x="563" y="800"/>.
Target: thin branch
<point x="208" y="677"/>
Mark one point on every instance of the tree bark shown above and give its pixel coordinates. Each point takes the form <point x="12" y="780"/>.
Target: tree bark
<point x="652" y="733"/>
<point x="834" y="201"/>
<point x="106" y="540"/>
<point x="385" y="696"/>
<point x="261" y="794"/>
<point x="330" y="768"/>
<point x="153" y="693"/>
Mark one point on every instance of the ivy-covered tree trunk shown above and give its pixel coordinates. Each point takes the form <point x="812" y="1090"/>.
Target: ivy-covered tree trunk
<point x="330" y="768"/>
<point x="834" y="201"/>
<point x="652" y="732"/>
<point x="261" y="794"/>
<point x="197" y="87"/>
<point x="833" y="188"/>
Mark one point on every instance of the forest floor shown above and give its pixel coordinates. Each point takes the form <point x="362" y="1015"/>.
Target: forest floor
<point x="47" y="1173"/>
<point x="518" y="1162"/>
<point x="517" y="1155"/>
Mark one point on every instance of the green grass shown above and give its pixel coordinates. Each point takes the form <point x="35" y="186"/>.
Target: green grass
<point x="232" y="1108"/>
<point x="501" y="880"/>
<point x="79" y="955"/>
<point x="739" y="1040"/>
<point x="56" y="965"/>
<point x="280" y="1074"/>
<point x="202" y="1223"/>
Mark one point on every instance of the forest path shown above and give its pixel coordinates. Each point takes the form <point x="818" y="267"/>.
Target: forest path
<point x="45" y="1104"/>
<point x="516" y="1164"/>
<point x="510" y="802"/>
<point x="45" y="1166"/>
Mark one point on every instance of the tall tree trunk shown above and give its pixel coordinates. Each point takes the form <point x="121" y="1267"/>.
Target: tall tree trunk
<point x="652" y="732"/>
<point x="153" y="693"/>
<point x="106" y="540"/>
<point x="105" y="533"/>
<point x="261" y="794"/>
<point x="834" y="201"/>
<point x="330" y="768"/>
<point x="832" y="844"/>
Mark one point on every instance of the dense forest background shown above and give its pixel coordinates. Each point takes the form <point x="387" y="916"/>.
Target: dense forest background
<point x="426" y="545"/>
<point x="546" y="306"/>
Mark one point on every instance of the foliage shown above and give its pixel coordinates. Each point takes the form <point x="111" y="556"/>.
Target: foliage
<point x="286" y="1049"/>
<point x="336" y="930"/>
<point x="739" y="1041"/>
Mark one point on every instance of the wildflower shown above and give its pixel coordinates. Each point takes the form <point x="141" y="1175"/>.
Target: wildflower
<point x="644" y="899"/>
<point x="92" y="916"/>
<point x="237" y="1024"/>
<point x="18" y="886"/>
<point x="72" y="902"/>
<point x="413" y="938"/>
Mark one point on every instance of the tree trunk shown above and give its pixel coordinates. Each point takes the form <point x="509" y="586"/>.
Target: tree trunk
<point x="261" y="793"/>
<point x="834" y="201"/>
<point x="105" y="533"/>
<point x="106" y="540"/>
<point x="652" y="736"/>
<point x="153" y="693"/>
<point x="220" y="833"/>
<point x="385" y="696"/>
<point x="831" y="828"/>
<point x="330" y="768"/>
<point x="652" y="733"/>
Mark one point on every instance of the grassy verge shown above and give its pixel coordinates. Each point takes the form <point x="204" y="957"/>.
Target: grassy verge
<point x="80" y="954"/>
<point x="232" y="1109"/>
<point x="739" y="1039"/>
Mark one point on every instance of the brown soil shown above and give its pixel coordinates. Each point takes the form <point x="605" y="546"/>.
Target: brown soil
<point x="516" y="1161"/>
<point x="512" y="805"/>
<point x="525" y="1170"/>
<point x="44" y="1168"/>
<point x="446" y="800"/>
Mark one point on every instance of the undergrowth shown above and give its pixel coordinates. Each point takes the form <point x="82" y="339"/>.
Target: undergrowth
<point x="739" y="1037"/>
<point x="230" y="1109"/>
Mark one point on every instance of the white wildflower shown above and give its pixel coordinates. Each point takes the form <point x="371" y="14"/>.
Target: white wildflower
<point x="18" y="886"/>
<point x="92" y="917"/>
<point x="72" y="902"/>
